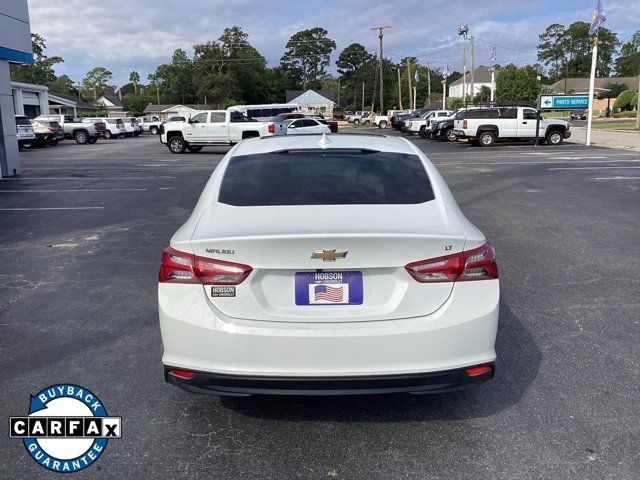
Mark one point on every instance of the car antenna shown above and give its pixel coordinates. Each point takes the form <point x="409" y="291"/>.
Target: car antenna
<point x="324" y="141"/>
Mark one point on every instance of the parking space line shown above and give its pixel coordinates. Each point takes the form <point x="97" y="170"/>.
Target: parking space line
<point x="542" y="162"/>
<point x="48" y="208"/>
<point x="617" y="178"/>
<point x="87" y="178"/>
<point x="610" y="167"/>
<point x="78" y="190"/>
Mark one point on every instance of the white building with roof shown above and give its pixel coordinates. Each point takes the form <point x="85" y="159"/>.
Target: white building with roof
<point x="312" y="101"/>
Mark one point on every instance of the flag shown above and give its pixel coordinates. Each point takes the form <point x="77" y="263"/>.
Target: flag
<point x="446" y="72"/>
<point x="415" y="77"/>
<point x="492" y="55"/>
<point x="597" y="19"/>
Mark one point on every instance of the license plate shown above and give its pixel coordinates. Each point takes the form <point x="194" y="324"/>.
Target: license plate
<point x="329" y="288"/>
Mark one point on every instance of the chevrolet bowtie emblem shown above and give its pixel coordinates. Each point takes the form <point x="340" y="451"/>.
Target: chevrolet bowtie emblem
<point x="328" y="255"/>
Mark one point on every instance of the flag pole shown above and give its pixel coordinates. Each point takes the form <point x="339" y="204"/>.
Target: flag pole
<point x="592" y="81"/>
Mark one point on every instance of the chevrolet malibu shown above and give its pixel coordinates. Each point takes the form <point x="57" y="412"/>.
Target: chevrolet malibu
<point x="323" y="265"/>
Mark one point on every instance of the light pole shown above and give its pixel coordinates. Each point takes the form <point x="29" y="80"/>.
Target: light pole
<point x="380" y="35"/>
<point x="462" y="31"/>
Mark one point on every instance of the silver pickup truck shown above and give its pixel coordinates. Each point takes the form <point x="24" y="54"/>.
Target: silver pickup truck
<point x="81" y="132"/>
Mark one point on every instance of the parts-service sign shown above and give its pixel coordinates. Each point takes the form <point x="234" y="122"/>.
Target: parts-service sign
<point x="67" y="428"/>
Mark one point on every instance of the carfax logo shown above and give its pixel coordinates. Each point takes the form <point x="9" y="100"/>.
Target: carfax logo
<point x="67" y="428"/>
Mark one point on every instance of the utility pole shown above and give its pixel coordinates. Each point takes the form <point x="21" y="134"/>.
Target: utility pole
<point x="638" y="105"/>
<point x="158" y="93"/>
<point x="399" y="91"/>
<point x="338" y="93"/>
<point x="380" y="28"/>
<point x="409" y="80"/>
<point x="429" y="82"/>
<point x="472" y="65"/>
<point x="362" y="107"/>
<point x="493" y="82"/>
<point x="464" y="74"/>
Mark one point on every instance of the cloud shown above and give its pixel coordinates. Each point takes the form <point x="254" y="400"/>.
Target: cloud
<point x="125" y="35"/>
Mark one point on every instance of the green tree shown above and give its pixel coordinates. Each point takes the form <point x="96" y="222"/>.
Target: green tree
<point x="307" y="56"/>
<point x="135" y="104"/>
<point x="353" y="67"/>
<point x="484" y="95"/>
<point x="96" y="82"/>
<point x="230" y="68"/>
<point x="41" y="72"/>
<point x="63" y="84"/>
<point x="628" y="62"/>
<point x="174" y="80"/>
<point x="516" y="85"/>
<point x="613" y="90"/>
<point x="134" y="78"/>
<point x="567" y="51"/>
<point x="552" y="49"/>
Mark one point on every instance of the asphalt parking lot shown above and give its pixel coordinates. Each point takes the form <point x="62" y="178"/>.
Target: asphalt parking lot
<point x="81" y="237"/>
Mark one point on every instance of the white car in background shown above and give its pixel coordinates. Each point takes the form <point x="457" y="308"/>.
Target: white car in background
<point x="24" y="131"/>
<point x="130" y="130"/>
<point x="327" y="264"/>
<point x="300" y="126"/>
<point x="418" y="125"/>
<point x="115" y="126"/>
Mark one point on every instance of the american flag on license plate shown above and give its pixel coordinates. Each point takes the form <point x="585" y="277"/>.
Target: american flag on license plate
<point x="325" y="292"/>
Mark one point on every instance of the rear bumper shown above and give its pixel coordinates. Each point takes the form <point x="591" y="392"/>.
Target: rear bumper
<point x="244" y="385"/>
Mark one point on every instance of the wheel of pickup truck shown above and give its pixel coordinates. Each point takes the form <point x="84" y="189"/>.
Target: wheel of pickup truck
<point x="92" y="140"/>
<point x="382" y="124"/>
<point x="107" y="135"/>
<point x="356" y="121"/>
<point x="450" y="136"/>
<point x="81" y="137"/>
<point x="194" y="148"/>
<point x="177" y="145"/>
<point x="487" y="139"/>
<point x="153" y="130"/>
<point x="554" y="137"/>
<point x="423" y="132"/>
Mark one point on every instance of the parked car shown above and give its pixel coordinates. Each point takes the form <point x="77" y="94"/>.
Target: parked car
<point x="360" y="117"/>
<point x="212" y="127"/>
<point x="332" y="124"/>
<point x="412" y="125"/>
<point x="114" y="126"/>
<point x="419" y="125"/>
<point x="47" y="132"/>
<point x="280" y="124"/>
<point x="487" y="125"/>
<point x="24" y="132"/>
<point x="301" y="126"/>
<point x="274" y="284"/>
<point x="578" y="115"/>
<point x="442" y="128"/>
<point x="418" y="113"/>
<point x="150" y="125"/>
<point x="382" y="121"/>
<point x="137" y="128"/>
<point x="81" y="132"/>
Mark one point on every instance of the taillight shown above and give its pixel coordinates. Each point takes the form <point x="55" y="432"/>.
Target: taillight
<point x="272" y="128"/>
<point x="98" y="126"/>
<point x="477" y="264"/>
<point x="464" y="124"/>
<point x="474" y="371"/>
<point x="181" y="267"/>
<point x="51" y="129"/>
<point x="184" y="374"/>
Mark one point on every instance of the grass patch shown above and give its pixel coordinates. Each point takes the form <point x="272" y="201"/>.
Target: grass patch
<point x="613" y="125"/>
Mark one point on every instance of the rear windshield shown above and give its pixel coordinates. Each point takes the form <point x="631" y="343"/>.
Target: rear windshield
<point x="325" y="178"/>
<point x="22" y="121"/>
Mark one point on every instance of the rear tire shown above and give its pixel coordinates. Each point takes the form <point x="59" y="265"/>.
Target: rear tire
<point x="81" y="138"/>
<point x="195" y="148"/>
<point x="554" y="137"/>
<point x="92" y="140"/>
<point x="108" y="135"/>
<point x="449" y="135"/>
<point x="177" y="145"/>
<point x="487" y="139"/>
<point x="382" y="124"/>
<point x="356" y="121"/>
<point x="153" y="130"/>
<point x="423" y="132"/>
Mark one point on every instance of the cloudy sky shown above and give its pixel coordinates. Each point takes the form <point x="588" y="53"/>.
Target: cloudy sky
<point x="138" y="35"/>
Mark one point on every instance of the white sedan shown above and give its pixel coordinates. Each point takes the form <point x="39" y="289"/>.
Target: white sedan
<point x="306" y="125"/>
<point x="327" y="264"/>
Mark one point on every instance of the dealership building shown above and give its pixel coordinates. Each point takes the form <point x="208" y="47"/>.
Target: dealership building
<point x="15" y="47"/>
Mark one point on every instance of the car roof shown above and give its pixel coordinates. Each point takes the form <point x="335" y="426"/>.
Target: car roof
<point x="336" y="141"/>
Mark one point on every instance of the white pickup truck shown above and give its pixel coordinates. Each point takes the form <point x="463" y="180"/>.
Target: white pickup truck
<point x="484" y="126"/>
<point x="81" y="132"/>
<point x="381" y="121"/>
<point x="212" y="127"/>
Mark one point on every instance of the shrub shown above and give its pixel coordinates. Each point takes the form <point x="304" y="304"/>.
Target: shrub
<point x="627" y="100"/>
<point x="454" y="103"/>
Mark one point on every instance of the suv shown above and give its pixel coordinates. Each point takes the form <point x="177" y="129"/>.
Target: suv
<point x="114" y="127"/>
<point x="24" y="132"/>
<point x="486" y="125"/>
